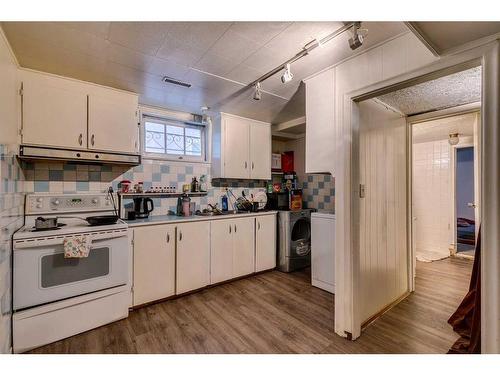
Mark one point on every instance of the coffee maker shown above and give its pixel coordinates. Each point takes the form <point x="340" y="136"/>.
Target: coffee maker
<point x="142" y="207"/>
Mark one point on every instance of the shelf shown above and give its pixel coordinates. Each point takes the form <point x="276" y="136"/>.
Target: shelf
<point x="161" y="195"/>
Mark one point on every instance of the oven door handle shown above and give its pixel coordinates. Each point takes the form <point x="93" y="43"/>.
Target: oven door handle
<point x="29" y="244"/>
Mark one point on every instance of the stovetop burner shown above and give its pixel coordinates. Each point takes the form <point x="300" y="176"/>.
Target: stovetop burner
<point x="59" y="225"/>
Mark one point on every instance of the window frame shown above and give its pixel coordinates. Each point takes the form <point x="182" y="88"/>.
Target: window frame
<point x="167" y="120"/>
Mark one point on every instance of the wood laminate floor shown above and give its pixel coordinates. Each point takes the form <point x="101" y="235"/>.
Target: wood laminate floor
<point x="274" y="312"/>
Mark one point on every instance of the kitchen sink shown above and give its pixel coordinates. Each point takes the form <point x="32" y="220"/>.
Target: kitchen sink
<point x="222" y="213"/>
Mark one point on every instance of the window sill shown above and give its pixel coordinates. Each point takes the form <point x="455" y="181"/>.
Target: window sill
<point x="174" y="159"/>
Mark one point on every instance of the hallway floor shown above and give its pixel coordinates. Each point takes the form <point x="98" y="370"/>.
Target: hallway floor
<point x="275" y="312"/>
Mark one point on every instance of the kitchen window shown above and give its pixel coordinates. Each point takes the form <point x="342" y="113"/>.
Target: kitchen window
<point x="174" y="140"/>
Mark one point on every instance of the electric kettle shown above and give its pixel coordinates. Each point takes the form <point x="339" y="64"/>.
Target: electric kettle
<point x="142" y="207"/>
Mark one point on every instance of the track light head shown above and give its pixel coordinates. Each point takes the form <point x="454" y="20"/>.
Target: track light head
<point x="257" y="95"/>
<point x="453" y="139"/>
<point x="356" y="40"/>
<point x="287" y="75"/>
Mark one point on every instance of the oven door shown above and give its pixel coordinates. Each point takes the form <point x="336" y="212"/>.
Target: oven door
<point x="42" y="274"/>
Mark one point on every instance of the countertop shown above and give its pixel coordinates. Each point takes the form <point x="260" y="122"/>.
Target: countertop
<point x="169" y="219"/>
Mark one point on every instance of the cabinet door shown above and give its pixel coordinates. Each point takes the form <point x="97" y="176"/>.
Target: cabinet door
<point x="54" y="113"/>
<point x="243" y="246"/>
<point x="236" y="148"/>
<point x="154" y="263"/>
<point x="221" y="251"/>
<point x="265" y="243"/>
<point x="113" y="122"/>
<point x="320" y="131"/>
<point x="260" y="151"/>
<point x="193" y="256"/>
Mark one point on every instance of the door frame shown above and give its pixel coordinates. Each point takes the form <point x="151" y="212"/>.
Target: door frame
<point x="487" y="56"/>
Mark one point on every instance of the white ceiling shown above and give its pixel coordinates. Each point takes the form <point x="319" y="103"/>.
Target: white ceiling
<point x="217" y="58"/>
<point x="445" y="92"/>
<point x="443" y="36"/>
<point x="440" y="129"/>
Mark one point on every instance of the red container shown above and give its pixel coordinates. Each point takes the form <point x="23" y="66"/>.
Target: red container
<point x="287" y="161"/>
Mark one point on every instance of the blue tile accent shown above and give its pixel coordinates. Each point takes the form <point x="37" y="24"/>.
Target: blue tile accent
<point x="189" y="169"/>
<point x="310" y="178"/>
<point x="69" y="167"/>
<point x="42" y="186"/>
<point x="164" y="168"/>
<point x="321" y="185"/>
<point x="326" y="198"/>
<point x="156" y="177"/>
<point x="315" y="192"/>
<point x="94" y="176"/>
<point x="84" y="186"/>
<point x="56" y="175"/>
<point x="328" y="178"/>
<point x="332" y="192"/>
<point x="106" y="168"/>
<point x="305" y="185"/>
<point x="147" y="185"/>
<point x="181" y="177"/>
<point x="321" y="205"/>
<point x="309" y="198"/>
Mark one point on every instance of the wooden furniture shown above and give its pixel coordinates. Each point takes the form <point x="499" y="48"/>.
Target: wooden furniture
<point x="241" y="148"/>
<point x="265" y="243"/>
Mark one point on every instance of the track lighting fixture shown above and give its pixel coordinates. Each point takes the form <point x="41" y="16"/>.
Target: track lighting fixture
<point x="356" y="40"/>
<point x="287" y="75"/>
<point x="257" y="95"/>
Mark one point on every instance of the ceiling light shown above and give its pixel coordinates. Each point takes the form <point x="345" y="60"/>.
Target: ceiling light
<point x="257" y="95"/>
<point x="453" y="140"/>
<point x="288" y="75"/>
<point x="357" y="38"/>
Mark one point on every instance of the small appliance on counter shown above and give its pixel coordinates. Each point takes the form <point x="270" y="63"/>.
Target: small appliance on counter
<point x="143" y="207"/>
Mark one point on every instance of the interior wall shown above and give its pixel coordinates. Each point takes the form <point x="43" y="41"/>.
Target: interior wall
<point x="432" y="197"/>
<point x="11" y="186"/>
<point x="383" y="221"/>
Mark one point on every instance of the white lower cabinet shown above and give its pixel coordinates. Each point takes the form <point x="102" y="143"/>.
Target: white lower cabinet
<point x="231" y="249"/>
<point x="193" y="256"/>
<point x="154" y="263"/>
<point x="265" y="243"/>
<point x="243" y="246"/>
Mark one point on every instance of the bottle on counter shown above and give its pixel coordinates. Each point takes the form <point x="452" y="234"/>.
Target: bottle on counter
<point x="195" y="185"/>
<point x="203" y="183"/>
<point x="224" y="205"/>
<point x="186" y="206"/>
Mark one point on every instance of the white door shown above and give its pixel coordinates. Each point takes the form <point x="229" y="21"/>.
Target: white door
<point x="265" y="243"/>
<point x="260" y="151"/>
<point x="113" y="123"/>
<point x="236" y="148"/>
<point x="243" y="246"/>
<point x="54" y="114"/>
<point x="193" y="256"/>
<point x="154" y="263"/>
<point x="221" y="251"/>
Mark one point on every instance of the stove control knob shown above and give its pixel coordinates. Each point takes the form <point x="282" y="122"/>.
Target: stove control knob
<point x="39" y="205"/>
<point x="55" y="202"/>
<point x="94" y="201"/>
<point x="39" y="199"/>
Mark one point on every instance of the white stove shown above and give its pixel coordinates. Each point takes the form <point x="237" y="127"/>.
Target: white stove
<point x="50" y="289"/>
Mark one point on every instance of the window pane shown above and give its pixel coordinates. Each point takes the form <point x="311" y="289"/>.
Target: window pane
<point x="155" y="137"/>
<point x="193" y="141"/>
<point x="175" y="140"/>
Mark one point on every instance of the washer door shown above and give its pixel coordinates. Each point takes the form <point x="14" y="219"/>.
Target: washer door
<point x="301" y="237"/>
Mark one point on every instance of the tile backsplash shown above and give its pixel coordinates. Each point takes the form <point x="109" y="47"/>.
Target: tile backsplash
<point x="58" y="177"/>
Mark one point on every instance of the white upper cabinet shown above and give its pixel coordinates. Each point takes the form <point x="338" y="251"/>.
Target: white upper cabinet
<point x="54" y="113"/>
<point x="65" y="113"/>
<point x="260" y="151"/>
<point x="113" y="122"/>
<point x="241" y="148"/>
<point x="320" y="130"/>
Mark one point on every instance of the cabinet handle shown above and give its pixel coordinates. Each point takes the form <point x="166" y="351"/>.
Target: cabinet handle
<point x="258" y="225"/>
<point x="229" y="228"/>
<point x="80" y="139"/>
<point x="168" y="238"/>
<point x="252" y="164"/>
<point x="92" y="139"/>
<point x="246" y="165"/>
<point x="235" y="229"/>
<point x="180" y="236"/>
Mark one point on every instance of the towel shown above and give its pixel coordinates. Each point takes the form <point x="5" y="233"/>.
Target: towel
<point x="77" y="247"/>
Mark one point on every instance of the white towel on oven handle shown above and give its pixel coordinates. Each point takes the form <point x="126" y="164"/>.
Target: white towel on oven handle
<point x="77" y="247"/>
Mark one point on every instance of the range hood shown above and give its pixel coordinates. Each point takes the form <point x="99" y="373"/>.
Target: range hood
<point x="87" y="156"/>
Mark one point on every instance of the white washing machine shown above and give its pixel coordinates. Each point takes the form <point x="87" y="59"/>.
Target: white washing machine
<point x="294" y="240"/>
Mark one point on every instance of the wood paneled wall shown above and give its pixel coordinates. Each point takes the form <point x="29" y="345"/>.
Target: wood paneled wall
<point x="383" y="210"/>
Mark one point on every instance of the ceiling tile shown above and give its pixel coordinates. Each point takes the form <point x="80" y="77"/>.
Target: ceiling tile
<point x="244" y="74"/>
<point x="215" y="64"/>
<point x="182" y="54"/>
<point x="233" y="46"/>
<point x="167" y="67"/>
<point x="128" y="57"/>
<point x="259" y="32"/>
<point x="100" y="29"/>
<point x="145" y="37"/>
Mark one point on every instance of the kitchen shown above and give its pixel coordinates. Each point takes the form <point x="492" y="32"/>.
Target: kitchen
<point x="183" y="186"/>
